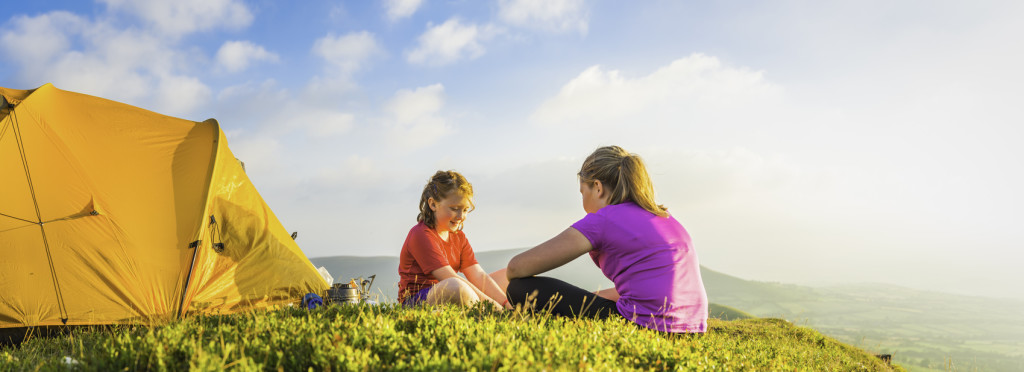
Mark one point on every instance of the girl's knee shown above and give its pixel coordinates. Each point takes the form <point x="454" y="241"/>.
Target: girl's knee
<point x="452" y="290"/>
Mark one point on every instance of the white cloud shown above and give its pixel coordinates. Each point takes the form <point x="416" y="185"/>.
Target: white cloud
<point x="235" y="56"/>
<point x="95" y="57"/>
<point x="34" y="41"/>
<point x="398" y="9"/>
<point x="697" y="88"/>
<point x="181" y="17"/>
<point x="548" y="15"/>
<point x="181" y="94"/>
<point x="449" y="42"/>
<point x="347" y="53"/>
<point x="275" y="112"/>
<point x="415" y="116"/>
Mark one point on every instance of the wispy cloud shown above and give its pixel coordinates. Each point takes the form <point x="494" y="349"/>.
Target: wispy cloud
<point x="236" y="56"/>
<point x="695" y="89"/>
<point x="399" y="9"/>
<point x="182" y="17"/>
<point x="415" y="117"/>
<point x="347" y="53"/>
<point x="97" y="57"/>
<point x="449" y="42"/>
<point x="546" y="15"/>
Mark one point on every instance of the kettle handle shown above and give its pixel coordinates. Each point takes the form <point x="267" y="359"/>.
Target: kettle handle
<point x="368" y="284"/>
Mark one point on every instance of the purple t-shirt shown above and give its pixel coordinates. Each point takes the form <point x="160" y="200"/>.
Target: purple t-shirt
<point x="653" y="266"/>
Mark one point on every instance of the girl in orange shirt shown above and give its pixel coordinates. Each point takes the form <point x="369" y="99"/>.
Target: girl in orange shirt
<point x="436" y="249"/>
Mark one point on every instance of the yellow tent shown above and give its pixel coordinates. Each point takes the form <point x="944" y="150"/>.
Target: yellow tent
<point x="113" y="214"/>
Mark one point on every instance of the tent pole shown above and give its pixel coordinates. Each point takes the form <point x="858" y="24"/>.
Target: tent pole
<point x="195" y="250"/>
<point x="61" y="307"/>
<point x="202" y="219"/>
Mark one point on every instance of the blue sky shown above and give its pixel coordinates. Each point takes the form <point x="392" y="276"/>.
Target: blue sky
<point x="798" y="141"/>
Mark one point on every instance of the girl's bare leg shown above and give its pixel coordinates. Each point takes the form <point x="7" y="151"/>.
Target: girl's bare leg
<point x="457" y="290"/>
<point x="452" y="291"/>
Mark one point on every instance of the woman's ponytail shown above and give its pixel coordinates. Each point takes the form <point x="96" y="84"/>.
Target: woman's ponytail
<point x="624" y="176"/>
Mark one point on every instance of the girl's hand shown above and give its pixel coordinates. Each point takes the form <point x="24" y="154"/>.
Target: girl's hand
<point x="497" y="306"/>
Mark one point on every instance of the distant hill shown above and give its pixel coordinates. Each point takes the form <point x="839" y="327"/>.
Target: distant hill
<point x="727" y="313"/>
<point x="923" y="330"/>
<point x="581" y="272"/>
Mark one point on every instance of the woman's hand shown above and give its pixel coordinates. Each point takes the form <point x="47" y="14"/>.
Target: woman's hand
<point x="557" y="251"/>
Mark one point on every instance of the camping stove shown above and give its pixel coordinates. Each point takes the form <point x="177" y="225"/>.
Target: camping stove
<point x="352" y="292"/>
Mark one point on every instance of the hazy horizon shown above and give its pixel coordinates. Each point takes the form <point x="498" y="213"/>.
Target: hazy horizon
<point x="797" y="142"/>
<point x="813" y="284"/>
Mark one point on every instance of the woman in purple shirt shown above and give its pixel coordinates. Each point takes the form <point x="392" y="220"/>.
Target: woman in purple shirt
<point x="642" y="249"/>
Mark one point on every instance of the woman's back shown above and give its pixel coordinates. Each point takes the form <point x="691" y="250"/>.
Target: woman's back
<point x="651" y="262"/>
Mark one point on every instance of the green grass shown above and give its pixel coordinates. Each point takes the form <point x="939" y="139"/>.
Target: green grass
<point x="389" y="337"/>
<point x="922" y="330"/>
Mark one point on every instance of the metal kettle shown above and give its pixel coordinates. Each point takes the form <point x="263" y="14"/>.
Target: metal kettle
<point x="352" y="292"/>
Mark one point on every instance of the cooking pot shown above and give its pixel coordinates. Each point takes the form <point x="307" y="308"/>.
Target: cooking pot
<point x="343" y="293"/>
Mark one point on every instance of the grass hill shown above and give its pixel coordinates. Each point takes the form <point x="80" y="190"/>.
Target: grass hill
<point x="389" y="337"/>
<point x="923" y="330"/>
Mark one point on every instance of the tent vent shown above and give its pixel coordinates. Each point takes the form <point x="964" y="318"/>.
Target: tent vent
<point x="94" y="213"/>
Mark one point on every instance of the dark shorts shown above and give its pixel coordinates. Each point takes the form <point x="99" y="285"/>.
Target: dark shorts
<point x="417" y="298"/>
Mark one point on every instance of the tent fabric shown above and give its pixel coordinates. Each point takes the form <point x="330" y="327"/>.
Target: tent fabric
<point x="114" y="214"/>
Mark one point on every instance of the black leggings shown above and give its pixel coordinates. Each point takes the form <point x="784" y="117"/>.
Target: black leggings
<point x="559" y="298"/>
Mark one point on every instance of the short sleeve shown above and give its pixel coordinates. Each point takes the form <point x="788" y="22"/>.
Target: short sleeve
<point x="592" y="226"/>
<point x="468" y="258"/>
<point x="426" y="252"/>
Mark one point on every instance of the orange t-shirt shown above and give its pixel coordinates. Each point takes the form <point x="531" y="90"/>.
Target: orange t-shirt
<point x="424" y="252"/>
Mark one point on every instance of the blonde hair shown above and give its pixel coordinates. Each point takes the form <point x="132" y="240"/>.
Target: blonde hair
<point x="625" y="177"/>
<point x="440" y="186"/>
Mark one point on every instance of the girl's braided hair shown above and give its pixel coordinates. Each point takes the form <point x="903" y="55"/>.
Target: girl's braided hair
<point x="440" y="186"/>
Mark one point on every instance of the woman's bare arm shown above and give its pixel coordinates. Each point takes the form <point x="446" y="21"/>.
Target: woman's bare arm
<point x="553" y="253"/>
